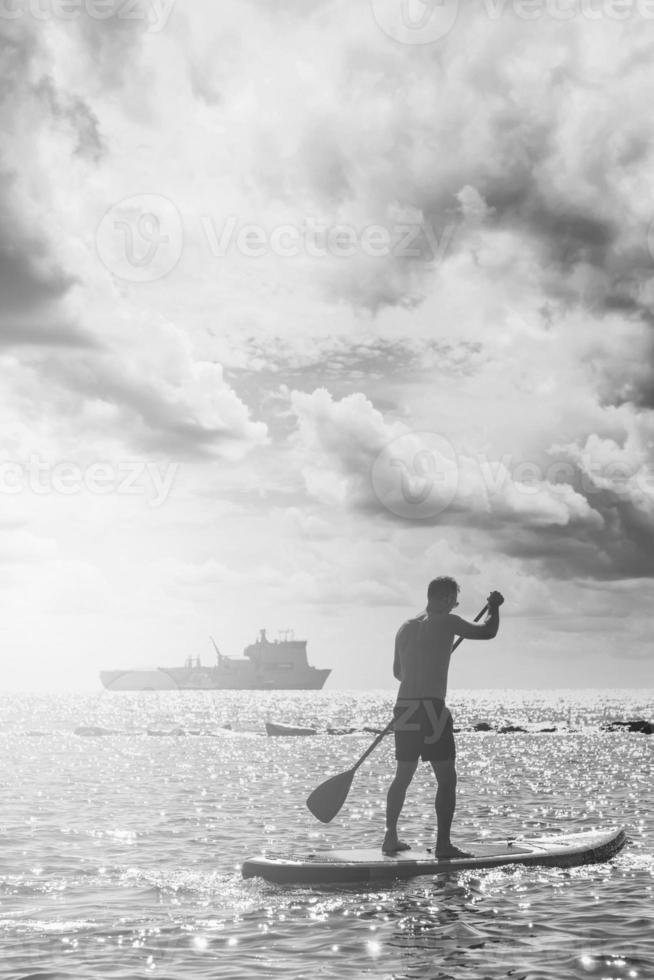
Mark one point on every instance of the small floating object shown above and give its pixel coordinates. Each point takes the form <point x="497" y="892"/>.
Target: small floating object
<point x="272" y="728"/>
<point x="336" y="866"/>
<point x="95" y="731"/>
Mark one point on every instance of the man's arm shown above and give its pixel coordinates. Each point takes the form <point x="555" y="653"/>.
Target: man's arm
<point x="397" y="674"/>
<point x="485" y="631"/>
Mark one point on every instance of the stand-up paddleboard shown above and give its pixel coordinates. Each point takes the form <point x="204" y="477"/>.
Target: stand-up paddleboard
<point x="320" y="867"/>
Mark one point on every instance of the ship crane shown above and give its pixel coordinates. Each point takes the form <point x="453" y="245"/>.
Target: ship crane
<point x="219" y="657"/>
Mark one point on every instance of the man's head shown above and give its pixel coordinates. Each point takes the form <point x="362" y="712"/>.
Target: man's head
<point x="442" y="594"/>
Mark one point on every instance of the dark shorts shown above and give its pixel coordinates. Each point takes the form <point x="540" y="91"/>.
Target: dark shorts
<point x="422" y="732"/>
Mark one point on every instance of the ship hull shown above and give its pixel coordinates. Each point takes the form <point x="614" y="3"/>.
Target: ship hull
<point x="232" y="678"/>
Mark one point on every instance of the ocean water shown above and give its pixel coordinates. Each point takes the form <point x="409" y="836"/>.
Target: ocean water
<point x="121" y="852"/>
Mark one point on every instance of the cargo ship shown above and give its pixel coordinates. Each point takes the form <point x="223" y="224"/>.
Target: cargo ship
<point x="266" y="665"/>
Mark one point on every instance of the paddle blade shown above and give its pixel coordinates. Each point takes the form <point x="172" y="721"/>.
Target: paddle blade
<point x="329" y="797"/>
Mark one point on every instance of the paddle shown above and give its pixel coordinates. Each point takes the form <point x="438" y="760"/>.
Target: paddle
<point x="328" y="798"/>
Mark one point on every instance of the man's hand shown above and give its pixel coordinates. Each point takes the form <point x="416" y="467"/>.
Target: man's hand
<point x="495" y="599"/>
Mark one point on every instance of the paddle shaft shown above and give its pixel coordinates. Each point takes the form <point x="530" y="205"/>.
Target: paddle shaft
<point x="373" y="746"/>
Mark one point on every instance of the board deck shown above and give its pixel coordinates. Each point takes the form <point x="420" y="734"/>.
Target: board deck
<point x="319" y="867"/>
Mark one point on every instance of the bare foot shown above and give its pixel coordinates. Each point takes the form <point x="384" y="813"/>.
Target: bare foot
<point x="450" y="851"/>
<point x="392" y="844"/>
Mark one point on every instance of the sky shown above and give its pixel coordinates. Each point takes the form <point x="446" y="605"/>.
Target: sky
<point x="305" y="303"/>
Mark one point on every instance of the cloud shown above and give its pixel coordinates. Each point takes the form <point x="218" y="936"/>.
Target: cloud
<point x="87" y="347"/>
<point x="166" y="400"/>
<point x="495" y="191"/>
<point x="318" y="585"/>
<point x="339" y="442"/>
<point x="594" y="517"/>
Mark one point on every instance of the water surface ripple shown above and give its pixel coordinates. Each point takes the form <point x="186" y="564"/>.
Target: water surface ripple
<point x="121" y="852"/>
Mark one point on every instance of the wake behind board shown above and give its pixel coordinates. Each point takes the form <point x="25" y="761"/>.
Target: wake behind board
<point x="320" y="867"/>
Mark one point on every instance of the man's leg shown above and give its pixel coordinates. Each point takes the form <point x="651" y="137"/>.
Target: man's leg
<point x="445" y="773"/>
<point x="394" y="803"/>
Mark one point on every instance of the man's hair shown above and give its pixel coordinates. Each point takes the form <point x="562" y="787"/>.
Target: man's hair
<point x="440" y="586"/>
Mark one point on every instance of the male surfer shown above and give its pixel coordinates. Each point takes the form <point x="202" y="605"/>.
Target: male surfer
<point x="423" y="725"/>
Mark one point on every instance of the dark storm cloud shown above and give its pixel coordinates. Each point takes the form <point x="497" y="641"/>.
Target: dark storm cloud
<point x="23" y="285"/>
<point x="32" y="284"/>
<point x="45" y="333"/>
<point x="194" y="415"/>
<point x="596" y="520"/>
<point x="152" y="393"/>
<point x="624" y="550"/>
<point x="112" y="42"/>
<point x="77" y="114"/>
<point x="32" y="281"/>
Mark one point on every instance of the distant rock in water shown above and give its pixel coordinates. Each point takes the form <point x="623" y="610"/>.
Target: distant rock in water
<point x="277" y="729"/>
<point x="483" y="726"/>
<point x="638" y="725"/>
<point x="94" y="731"/>
<point x="179" y="732"/>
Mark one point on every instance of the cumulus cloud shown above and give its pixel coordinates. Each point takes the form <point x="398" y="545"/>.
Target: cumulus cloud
<point x="470" y="222"/>
<point x="574" y="510"/>
<point x="340" y="441"/>
<point x="164" y="398"/>
<point x="159" y="395"/>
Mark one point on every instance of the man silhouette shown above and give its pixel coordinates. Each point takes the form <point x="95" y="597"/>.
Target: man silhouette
<point x="423" y="724"/>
